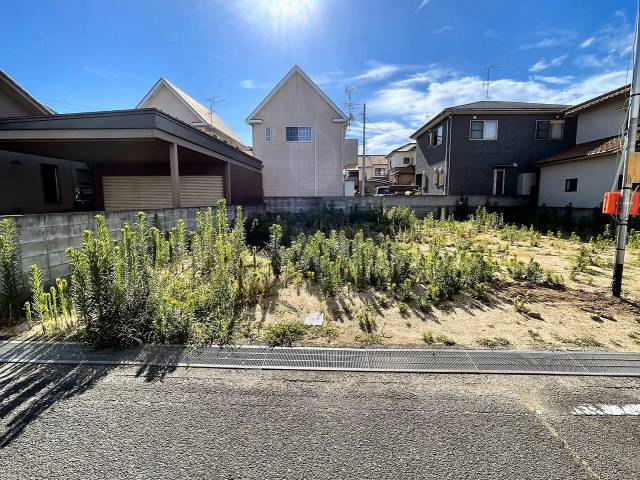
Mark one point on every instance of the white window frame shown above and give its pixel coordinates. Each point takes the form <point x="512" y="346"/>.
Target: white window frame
<point x="566" y="180"/>
<point x="267" y="134"/>
<point x="298" y="127"/>
<point x="407" y="162"/>
<point x="495" y="180"/>
<point x="551" y="122"/>
<point x="382" y="169"/>
<point x="483" y="122"/>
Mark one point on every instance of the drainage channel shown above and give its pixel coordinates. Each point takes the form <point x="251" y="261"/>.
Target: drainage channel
<point x="332" y="359"/>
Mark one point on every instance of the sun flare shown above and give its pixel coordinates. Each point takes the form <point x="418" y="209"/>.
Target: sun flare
<point x="281" y="18"/>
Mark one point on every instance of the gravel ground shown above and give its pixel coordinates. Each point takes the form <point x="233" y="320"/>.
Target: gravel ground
<point x="98" y="422"/>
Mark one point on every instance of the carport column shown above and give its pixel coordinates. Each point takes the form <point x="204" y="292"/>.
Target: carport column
<point x="175" y="175"/>
<point x="227" y="183"/>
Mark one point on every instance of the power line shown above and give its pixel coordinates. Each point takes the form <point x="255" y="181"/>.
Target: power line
<point x="212" y="103"/>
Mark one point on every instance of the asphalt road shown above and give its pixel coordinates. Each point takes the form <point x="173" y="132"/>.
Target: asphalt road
<point x="105" y="423"/>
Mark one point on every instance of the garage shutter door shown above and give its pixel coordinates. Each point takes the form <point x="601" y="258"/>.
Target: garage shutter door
<point x="147" y="192"/>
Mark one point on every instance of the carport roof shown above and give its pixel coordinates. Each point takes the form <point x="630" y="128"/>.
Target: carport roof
<point x="82" y="136"/>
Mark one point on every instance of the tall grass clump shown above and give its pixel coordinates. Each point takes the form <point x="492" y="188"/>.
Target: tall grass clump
<point x="10" y="298"/>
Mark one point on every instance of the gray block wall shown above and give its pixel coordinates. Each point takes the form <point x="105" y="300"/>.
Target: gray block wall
<point x="44" y="238"/>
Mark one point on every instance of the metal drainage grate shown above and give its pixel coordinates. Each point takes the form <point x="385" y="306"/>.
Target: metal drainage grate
<point x="340" y="359"/>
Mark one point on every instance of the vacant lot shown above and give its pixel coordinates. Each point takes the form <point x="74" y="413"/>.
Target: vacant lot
<point x="390" y="280"/>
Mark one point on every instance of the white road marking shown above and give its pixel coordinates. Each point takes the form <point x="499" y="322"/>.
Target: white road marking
<point x="604" y="409"/>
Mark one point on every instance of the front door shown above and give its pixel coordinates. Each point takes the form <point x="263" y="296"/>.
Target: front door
<point x="498" y="181"/>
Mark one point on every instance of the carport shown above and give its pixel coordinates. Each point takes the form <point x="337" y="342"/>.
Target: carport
<point x="142" y="158"/>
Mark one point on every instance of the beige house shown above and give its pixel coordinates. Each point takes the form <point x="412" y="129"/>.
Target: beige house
<point x="402" y="162"/>
<point x="167" y="97"/>
<point x="299" y="135"/>
<point x="373" y="171"/>
<point x="581" y="175"/>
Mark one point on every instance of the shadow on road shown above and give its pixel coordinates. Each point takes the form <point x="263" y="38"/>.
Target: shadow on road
<point x="159" y="361"/>
<point x="29" y="390"/>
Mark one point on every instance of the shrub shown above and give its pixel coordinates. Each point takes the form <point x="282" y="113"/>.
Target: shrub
<point x="530" y="272"/>
<point x="275" y="248"/>
<point x="403" y="308"/>
<point x="424" y="304"/>
<point x="369" y="338"/>
<point x="10" y="298"/>
<point x="366" y="318"/>
<point x="427" y="337"/>
<point x="448" y="341"/>
<point x="493" y="342"/>
<point x="284" y="333"/>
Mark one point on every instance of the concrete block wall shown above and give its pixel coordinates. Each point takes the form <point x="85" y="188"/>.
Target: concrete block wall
<point x="44" y="238"/>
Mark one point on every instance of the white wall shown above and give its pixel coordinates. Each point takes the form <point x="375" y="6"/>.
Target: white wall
<point x="166" y="101"/>
<point x="396" y="159"/>
<point x="600" y="121"/>
<point x="595" y="177"/>
<point x="297" y="168"/>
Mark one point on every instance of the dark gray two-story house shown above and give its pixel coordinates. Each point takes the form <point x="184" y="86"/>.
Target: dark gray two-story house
<point x="487" y="147"/>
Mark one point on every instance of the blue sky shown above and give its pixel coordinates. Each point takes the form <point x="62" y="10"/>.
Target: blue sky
<point x="407" y="58"/>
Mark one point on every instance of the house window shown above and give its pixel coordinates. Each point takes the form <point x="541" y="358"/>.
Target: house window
<point x="267" y="134"/>
<point x="436" y="136"/>
<point x="50" y="185"/>
<point x="429" y="140"/>
<point x="380" y="172"/>
<point x="298" y="134"/>
<point x="498" y="181"/>
<point x="484" y="130"/>
<point x="549" y="129"/>
<point x="406" y="161"/>
<point x="571" y="185"/>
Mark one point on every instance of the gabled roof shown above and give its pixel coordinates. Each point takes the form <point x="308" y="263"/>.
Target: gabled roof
<point x="25" y="95"/>
<point x="373" y="160"/>
<point x="490" y="106"/>
<point x="281" y="83"/>
<point x="603" y="146"/>
<point x="199" y="110"/>
<point x="404" y="148"/>
<point x="618" y="92"/>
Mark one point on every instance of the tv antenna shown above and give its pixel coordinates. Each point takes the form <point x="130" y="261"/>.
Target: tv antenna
<point x="350" y="103"/>
<point x="487" y="83"/>
<point x="212" y="103"/>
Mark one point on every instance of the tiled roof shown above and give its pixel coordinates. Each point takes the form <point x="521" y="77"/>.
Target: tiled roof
<point x="618" y="92"/>
<point x="404" y="148"/>
<point x="497" y="105"/>
<point x="584" y="150"/>
<point x="371" y="160"/>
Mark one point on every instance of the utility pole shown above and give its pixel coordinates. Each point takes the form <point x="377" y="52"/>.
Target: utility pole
<point x="629" y="150"/>
<point x="363" y="180"/>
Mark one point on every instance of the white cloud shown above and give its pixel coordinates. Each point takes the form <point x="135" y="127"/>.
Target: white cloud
<point x="564" y="80"/>
<point x="543" y="64"/>
<point x="423" y="4"/>
<point x="379" y="72"/>
<point x="551" y="37"/>
<point x="444" y="28"/>
<point x="252" y="84"/>
<point x="432" y="73"/>
<point x="594" y="61"/>
<point x="587" y="43"/>
<point x="405" y="108"/>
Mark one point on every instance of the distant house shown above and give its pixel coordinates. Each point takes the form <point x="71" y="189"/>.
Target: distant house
<point x="37" y="183"/>
<point x="581" y="175"/>
<point x="488" y="147"/>
<point x="402" y="162"/>
<point x="167" y="97"/>
<point x="373" y="170"/>
<point x="299" y="134"/>
<point x="125" y="159"/>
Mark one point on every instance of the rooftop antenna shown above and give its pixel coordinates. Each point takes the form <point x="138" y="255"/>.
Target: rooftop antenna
<point x="487" y="83"/>
<point x="350" y="103"/>
<point x="212" y="103"/>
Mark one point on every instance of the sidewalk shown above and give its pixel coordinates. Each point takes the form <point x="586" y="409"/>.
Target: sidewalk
<point x="333" y="359"/>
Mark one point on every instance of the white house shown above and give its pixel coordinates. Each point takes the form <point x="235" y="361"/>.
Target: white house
<point x="299" y="135"/>
<point x="582" y="174"/>
<point x="167" y="97"/>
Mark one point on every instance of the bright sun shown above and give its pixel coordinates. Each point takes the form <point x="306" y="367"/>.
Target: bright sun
<point x="281" y="17"/>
